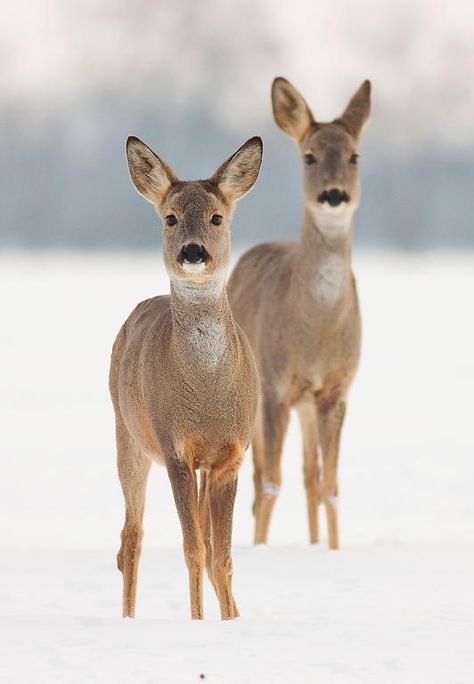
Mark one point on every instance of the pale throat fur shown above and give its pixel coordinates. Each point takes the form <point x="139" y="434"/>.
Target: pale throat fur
<point x="324" y="256"/>
<point x="201" y="314"/>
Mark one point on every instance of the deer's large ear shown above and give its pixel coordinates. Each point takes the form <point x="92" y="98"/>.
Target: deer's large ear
<point x="357" y="111"/>
<point x="236" y="176"/>
<point x="150" y="175"/>
<point x="290" y="110"/>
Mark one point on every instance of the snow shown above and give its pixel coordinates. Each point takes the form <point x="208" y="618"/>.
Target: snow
<point x="373" y="614"/>
<point x="395" y="604"/>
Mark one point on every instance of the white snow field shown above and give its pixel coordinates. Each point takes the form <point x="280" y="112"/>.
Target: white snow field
<point x="395" y="604"/>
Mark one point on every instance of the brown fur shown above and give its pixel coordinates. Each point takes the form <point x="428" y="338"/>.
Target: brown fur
<point x="183" y="380"/>
<point x="297" y="303"/>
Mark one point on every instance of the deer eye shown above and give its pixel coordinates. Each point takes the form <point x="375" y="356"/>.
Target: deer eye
<point x="353" y="159"/>
<point x="171" y="220"/>
<point x="216" y="219"/>
<point x="310" y="159"/>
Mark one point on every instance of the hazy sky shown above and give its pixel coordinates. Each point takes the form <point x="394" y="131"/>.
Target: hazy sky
<point x="419" y="55"/>
<point x="193" y="77"/>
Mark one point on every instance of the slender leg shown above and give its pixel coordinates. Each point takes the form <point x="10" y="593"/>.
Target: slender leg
<point x="133" y="469"/>
<point x="184" y="485"/>
<point x="331" y="419"/>
<point x="205" y="518"/>
<point x="205" y="522"/>
<point x="275" y="421"/>
<point x="222" y="490"/>
<point x="307" y="413"/>
<point x="257" y="453"/>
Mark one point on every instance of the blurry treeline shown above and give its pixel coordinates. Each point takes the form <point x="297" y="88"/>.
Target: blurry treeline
<point x="192" y="79"/>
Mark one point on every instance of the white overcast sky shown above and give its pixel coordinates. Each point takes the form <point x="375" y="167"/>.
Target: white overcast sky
<point x="419" y="55"/>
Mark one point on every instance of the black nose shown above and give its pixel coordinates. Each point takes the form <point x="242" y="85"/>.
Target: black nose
<point x="193" y="254"/>
<point x="334" y="197"/>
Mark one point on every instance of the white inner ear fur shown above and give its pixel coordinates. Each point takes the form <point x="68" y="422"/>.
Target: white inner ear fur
<point x="291" y="111"/>
<point x="147" y="171"/>
<point x="241" y="172"/>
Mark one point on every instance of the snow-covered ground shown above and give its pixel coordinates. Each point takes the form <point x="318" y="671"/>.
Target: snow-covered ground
<point x="396" y="604"/>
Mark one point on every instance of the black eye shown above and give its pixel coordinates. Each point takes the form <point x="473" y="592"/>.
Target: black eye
<point x="353" y="159"/>
<point x="310" y="159"/>
<point x="171" y="220"/>
<point x="216" y="219"/>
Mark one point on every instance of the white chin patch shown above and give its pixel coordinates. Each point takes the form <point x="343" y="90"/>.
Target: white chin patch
<point x="339" y="210"/>
<point x="193" y="268"/>
<point x="333" y="221"/>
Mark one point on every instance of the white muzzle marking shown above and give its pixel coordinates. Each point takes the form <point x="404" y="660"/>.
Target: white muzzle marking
<point x="188" y="267"/>
<point x="333" y="222"/>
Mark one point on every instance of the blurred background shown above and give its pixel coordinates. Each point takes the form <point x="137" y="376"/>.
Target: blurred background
<point x="193" y="80"/>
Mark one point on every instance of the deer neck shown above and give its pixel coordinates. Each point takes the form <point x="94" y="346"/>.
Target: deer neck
<point x="322" y="276"/>
<point x="203" y="330"/>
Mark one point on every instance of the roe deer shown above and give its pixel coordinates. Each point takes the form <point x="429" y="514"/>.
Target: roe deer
<point x="183" y="379"/>
<point x="297" y="303"/>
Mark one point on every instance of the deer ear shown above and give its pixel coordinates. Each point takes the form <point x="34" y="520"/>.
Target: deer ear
<point x="290" y="110"/>
<point x="236" y="176"/>
<point x="357" y="111"/>
<point x="150" y="175"/>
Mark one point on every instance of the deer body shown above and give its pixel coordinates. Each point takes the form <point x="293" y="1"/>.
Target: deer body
<point x="297" y="303"/>
<point x="204" y="407"/>
<point x="298" y="299"/>
<point x="183" y="379"/>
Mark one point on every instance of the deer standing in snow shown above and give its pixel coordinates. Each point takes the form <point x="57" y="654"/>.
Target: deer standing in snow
<point x="297" y="303"/>
<point x="182" y="378"/>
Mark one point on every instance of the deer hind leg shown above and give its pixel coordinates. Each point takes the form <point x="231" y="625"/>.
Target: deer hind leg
<point x="133" y="469"/>
<point x="257" y="454"/>
<point x="275" y="421"/>
<point x="331" y="419"/>
<point x="184" y="485"/>
<point x="307" y="413"/>
<point x="222" y="491"/>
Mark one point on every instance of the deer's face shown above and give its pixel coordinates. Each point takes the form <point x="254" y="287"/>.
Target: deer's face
<point x="329" y="153"/>
<point x="331" y="175"/>
<point x="196" y="215"/>
<point x="196" y="231"/>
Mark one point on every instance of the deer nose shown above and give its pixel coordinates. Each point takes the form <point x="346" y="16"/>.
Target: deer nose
<point x="334" y="197"/>
<point x="193" y="254"/>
